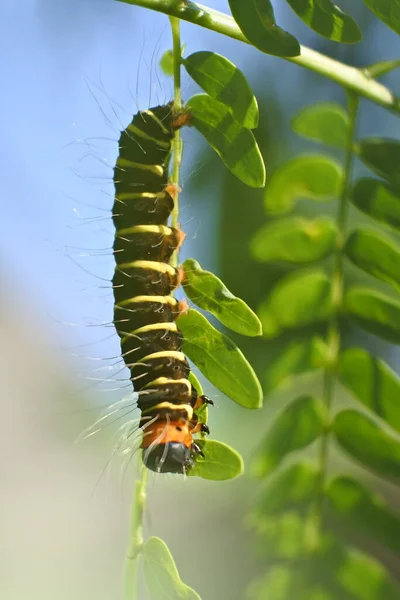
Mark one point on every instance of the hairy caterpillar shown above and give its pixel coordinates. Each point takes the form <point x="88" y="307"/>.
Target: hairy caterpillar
<point x="145" y="310"/>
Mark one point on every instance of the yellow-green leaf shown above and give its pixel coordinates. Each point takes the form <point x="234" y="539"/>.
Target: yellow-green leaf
<point x="208" y="292"/>
<point x="220" y="461"/>
<point x="220" y="360"/>
<point x="387" y="11"/>
<point x="311" y="176"/>
<point x="381" y="155"/>
<point x="375" y="312"/>
<point x="324" y="122"/>
<point x="328" y="20"/>
<point x="378" y="200"/>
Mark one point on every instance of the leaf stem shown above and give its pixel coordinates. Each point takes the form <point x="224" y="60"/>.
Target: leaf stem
<point x="349" y="77"/>
<point x="177" y="107"/>
<point x="334" y="335"/>
<point x="131" y="579"/>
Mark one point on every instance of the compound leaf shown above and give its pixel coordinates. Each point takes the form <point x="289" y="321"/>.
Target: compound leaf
<point x="220" y="360"/>
<point x="208" y="292"/>
<point x="224" y="82"/>
<point x="311" y="176"/>
<point x="235" y="144"/>
<point x="294" y="240"/>
<point x="256" y="19"/>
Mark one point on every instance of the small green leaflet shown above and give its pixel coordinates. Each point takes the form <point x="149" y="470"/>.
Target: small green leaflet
<point x="167" y="63"/>
<point x="220" y="462"/>
<point x="256" y="19"/>
<point x="235" y="145"/>
<point x="224" y="82"/>
<point x="355" y="509"/>
<point x="376" y="312"/>
<point x="325" y="122"/>
<point x="328" y="20"/>
<point x="375" y="253"/>
<point x="302" y="422"/>
<point x="209" y="293"/>
<point x="161" y="575"/>
<point x="294" y="240"/>
<point x="373" y="383"/>
<point x="202" y="411"/>
<point x="378" y="200"/>
<point x="309" y="176"/>
<point x="387" y="11"/>
<point x="298" y="299"/>
<point x="382" y="156"/>
<point x="373" y="444"/>
<point x="220" y="360"/>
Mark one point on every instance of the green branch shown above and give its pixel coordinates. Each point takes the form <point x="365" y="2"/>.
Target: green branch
<point x="351" y="78"/>
<point x="136" y="538"/>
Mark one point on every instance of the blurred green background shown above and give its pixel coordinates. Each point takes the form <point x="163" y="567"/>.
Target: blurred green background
<point x="73" y="73"/>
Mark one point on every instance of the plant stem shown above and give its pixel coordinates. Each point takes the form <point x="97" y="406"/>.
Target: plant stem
<point x="136" y="538"/>
<point x="177" y="107"/>
<point x="349" y="77"/>
<point x="334" y="336"/>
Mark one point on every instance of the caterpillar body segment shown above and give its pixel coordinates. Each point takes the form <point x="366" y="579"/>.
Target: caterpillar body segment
<point x="145" y="310"/>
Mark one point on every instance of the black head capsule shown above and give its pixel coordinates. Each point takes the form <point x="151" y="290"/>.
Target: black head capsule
<point x="171" y="457"/>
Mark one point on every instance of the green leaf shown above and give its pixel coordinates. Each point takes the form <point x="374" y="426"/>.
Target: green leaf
<point x="387" y="11"/>
<point x="161" y="575"/>
<point x="357" y="510"/>
<point x="375" y="312"/>
<point x="195" y="383"/>
<point x="290" y="488"/>
<point x="295" y="240"/>
<point x="375" y="253"/>
<point x="298" y="299"/>
<point x="235" y="145"/>
<point x="209" y="293"/>
<point x="256" y="20"/>
<point x="381" y="68"/>
<point x="280" y="583"/>
<point x="220" y="462"/>
<point x="382" y="156"/>
<point x="328" y="20"/>
<point x="312" y="176"/>
<point x="302" y="422"/>
<point x="284" y="537"/>
<point x="324" y="122"/>
<point x="378" y="200"/>
<point x="371" y="443"/>
<point x="224" y="82"/>
<point x="220" y="360"/>
<point x="202" y="411"/>
<point x="167" y="63"/>
<point x="296" y="357"/>
<point x="373" y="382"/>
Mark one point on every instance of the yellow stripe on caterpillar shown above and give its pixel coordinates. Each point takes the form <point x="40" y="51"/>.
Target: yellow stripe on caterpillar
<point x="161" y="229"/>
<point x="169" y="405"/>
<point x="159" y="299"/>
<point x="137" y="195"/>
<point x="145" y="136"/>
<point x="167" y="380"/>
<point x="154" y="327"/>
<point x="130" y="164"/>
<point x="157" y="120"/>
<point x="160" y="267"/>
<point x="164" y="354"/>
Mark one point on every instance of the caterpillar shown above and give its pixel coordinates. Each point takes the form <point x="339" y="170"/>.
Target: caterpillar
<point x="145" y="310"/>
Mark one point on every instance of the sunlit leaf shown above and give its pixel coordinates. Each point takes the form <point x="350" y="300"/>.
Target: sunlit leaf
<point x="299" y="299"/>
<point x="294" y="240"/>
<point x="324" y="122"/>
<point x="375" y="253"/>
<point x="387" y="11"/>
<point x="167" y="63"/>
<point x="357" y="510"/>
<point x="373" y="383"/>
<point x="208" y="292"/>
<point x="161" y="575"/>
<point x="256" y="19"/>
<point x="292" y="487"/>
<point x="381" y="155"/>
<point x="301" y="423"/>
<point x="375" y="312"/>
<point x="235" y="145"/>
<point x="313" y="176"/>
<point x="327" y="19"/>
<point x="373" y="444"/>
<point x="220" y="360"/>
<point x="222" y="80"/>
<point x="378" y="200"/>
<point x="296" y="357"/>
<point x="220" y="461"/>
